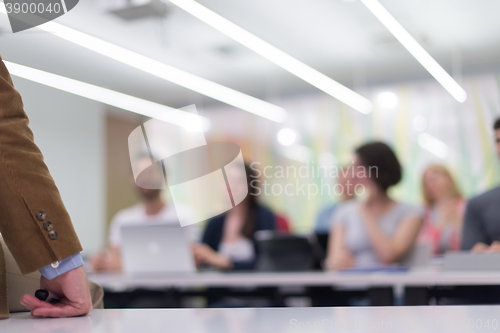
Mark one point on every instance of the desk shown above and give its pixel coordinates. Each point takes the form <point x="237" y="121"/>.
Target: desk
<point x="381" y="286"/>
<point x="442" y="319"/>
<point x="120" y="282"/>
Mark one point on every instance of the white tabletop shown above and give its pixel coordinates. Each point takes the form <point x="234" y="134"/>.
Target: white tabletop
<point x="440" y="319"/>
<point x="213" y="279"/>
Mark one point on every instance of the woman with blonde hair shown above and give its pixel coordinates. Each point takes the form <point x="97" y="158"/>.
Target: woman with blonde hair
<point x="444" y="210"/>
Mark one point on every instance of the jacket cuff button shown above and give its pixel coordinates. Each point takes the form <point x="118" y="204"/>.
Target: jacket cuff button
<point x="41" y="216"/>
<point x="48" y="226"/>
<point x="53" y="235"/>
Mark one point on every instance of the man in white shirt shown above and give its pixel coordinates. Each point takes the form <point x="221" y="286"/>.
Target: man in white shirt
<point x="152" y="209"/>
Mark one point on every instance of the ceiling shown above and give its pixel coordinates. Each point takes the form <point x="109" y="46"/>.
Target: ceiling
<point x="342" y="39"/>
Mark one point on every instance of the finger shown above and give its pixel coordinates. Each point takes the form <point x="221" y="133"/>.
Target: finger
<point x="45" y="312"/>
<point x="59" y="312"/>
<point x="494" y="248"/>
<point x="31" y="302"/>
<point x="479" y="247"/>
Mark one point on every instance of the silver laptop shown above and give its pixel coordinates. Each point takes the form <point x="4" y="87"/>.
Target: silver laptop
<point x="158" y="248"/>
<point x="466" y="261"/>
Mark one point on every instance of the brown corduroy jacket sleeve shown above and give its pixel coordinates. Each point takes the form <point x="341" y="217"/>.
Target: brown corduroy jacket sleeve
<point x="29" y="198"/>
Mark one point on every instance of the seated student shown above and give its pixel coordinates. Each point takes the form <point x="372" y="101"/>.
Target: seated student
<point x="152" y="208"/>
<point x="377" y="230"/>
<point x="481" y="231"/>
<point x="480" y="234"/>
<point x="324" y="218"/>
<point x="228" y="241"/>
<point x="444" y="210"/>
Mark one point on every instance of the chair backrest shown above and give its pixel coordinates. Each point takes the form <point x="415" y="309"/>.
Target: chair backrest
<point x="282" y="224"/>
<point x="278" y="252"/>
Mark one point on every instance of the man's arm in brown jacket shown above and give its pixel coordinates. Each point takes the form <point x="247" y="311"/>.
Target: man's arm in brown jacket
<point x="29" y="198"/>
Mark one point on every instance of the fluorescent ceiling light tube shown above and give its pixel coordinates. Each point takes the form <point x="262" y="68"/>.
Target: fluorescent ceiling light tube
<point x="432" y="144"/>
<point x="166" y="72"/>
<point x="277" y="56"/>
<point x="416" y="50"/>
<point x="110" y="97"/>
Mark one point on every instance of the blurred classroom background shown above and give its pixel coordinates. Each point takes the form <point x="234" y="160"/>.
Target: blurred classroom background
<point x="85" y="141"/>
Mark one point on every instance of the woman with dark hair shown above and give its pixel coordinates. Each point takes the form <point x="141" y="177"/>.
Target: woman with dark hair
<point x="228" y="241"/>
<point x="376" y="230"/>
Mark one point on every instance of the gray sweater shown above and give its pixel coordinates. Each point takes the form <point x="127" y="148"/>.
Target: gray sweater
<point x="482" y="219"/>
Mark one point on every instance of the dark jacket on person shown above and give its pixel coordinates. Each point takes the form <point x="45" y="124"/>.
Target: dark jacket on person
<point x="264" y="220"/>
<point x="482" y="219"/>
